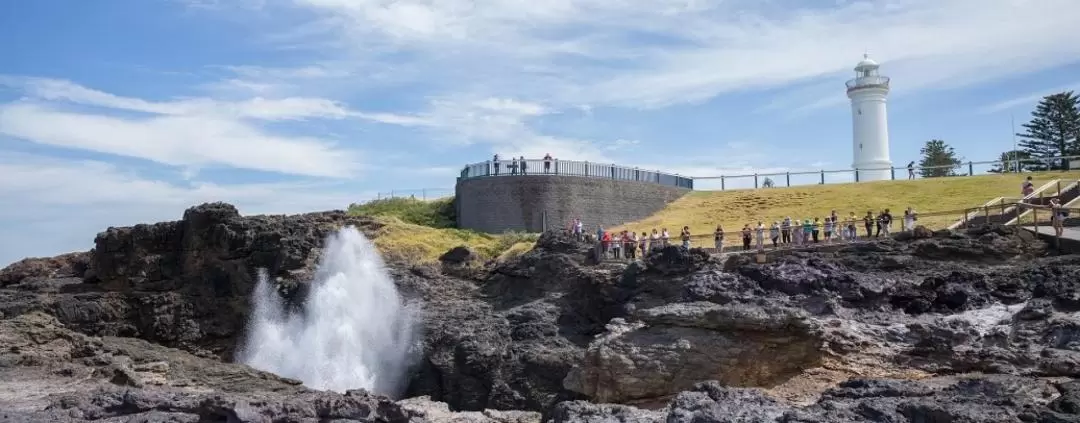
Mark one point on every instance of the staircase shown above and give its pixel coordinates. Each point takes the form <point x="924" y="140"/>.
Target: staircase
<point x="1003" y="209"/>
<point x="1068" y="195"/>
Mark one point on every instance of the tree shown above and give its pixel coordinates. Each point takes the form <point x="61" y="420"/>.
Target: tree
<point x="1053" y="131"/>
<point x="1013" y="161"/>
<point x="938" y="153"/>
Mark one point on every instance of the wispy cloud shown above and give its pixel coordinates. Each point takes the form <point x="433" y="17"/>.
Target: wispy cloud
<point x="190" y="132"/>
<point x="660" y="52"/>
<point x="1026" y="100"/>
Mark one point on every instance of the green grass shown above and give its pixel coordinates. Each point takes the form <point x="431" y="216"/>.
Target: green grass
<point x="937" y="200"/>
<point x="439" y="213"/>
<point x="417" y="231"/>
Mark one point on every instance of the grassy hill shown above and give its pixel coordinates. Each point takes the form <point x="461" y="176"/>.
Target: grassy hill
<point x="420" y="231"/>
<point x="938" y="201"/>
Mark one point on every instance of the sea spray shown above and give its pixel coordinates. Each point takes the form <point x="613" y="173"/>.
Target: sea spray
<point x="352" y="332"/>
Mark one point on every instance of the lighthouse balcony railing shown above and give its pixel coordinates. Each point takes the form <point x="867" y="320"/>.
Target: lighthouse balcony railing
<point x="868" y="81"/>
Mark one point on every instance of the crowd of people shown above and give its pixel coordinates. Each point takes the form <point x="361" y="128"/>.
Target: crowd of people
<point x="788" y="232"/>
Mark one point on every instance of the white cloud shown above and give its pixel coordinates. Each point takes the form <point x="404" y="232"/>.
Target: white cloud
<point x="192" y="132"/>
<point x="660" y="52"/>
<point x="177" y="140"/>
<point x="1025" y="100"/>
<point x="291" y="108"/>
<point x="59" y="205"/>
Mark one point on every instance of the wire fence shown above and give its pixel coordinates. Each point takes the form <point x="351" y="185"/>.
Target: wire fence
<point x="841" y="176"/>
<point x="424" y="194"/>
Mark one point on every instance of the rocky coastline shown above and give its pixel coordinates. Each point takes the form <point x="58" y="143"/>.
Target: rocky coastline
<point x="975" y="326"/>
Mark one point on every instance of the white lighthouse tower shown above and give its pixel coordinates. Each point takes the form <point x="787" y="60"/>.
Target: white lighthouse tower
<point x="870" y="125"/>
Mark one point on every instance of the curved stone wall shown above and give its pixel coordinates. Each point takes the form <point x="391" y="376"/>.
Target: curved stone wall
<point x="519" y="203"/>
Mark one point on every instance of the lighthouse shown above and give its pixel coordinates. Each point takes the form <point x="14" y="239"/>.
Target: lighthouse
<point x="868" y="92"/>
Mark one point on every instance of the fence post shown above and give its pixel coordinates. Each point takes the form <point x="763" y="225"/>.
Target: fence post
<point x="556" y="166"/>
<point x="613" y="171"/>
<point x="755" y="181"/>
<point x="789" y="179"/>
<point x="822" y="176"/>
<point x="971" y="169"/>
<point x="658" y="176"/>
<point x="586" y="168"/>
<point x="856" y="175"/>
<point x="892" y="173"/>
<point x="721" y="182"/>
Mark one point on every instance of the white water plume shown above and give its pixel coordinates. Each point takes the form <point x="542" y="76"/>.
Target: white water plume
<point x="353" y="331"/>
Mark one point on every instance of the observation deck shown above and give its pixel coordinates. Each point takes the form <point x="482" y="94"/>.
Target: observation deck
<point x="875" y="81"/>
<point x="540" y="167"/>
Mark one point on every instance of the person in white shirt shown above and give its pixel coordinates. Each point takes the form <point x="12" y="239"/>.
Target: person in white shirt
<point x="909" y="219"/>
<point x="664" y="237"/>
<point x="759" y="236"/>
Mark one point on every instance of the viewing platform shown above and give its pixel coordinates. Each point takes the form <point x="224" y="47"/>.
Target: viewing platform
<point x="541" y="167"/>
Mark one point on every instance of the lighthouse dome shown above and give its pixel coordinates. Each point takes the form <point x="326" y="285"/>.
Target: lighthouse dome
<point x="866" y="62"/>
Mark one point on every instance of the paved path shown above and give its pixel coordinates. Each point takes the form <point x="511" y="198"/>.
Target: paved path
<point x="1072" y="233"/>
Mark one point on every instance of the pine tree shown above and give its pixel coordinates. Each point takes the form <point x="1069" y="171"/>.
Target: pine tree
<point x="1053" y="131"/>
<point x="938" y="153"/>
<point x="1013" y="161"/>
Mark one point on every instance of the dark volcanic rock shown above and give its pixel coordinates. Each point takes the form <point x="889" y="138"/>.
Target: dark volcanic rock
<point x="91" y="334"/>
<point x="183" y="283"/>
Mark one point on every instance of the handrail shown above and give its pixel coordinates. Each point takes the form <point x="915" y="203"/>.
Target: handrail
<point x="1008" y="207"/>
<point x="1060" y="190"/>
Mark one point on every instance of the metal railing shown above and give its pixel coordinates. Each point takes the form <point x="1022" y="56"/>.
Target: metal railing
<point x="867" y="81"/>
<point x="1041" y="222"/>
<point x="573" y="168"/>
<point x="840" y="176"/>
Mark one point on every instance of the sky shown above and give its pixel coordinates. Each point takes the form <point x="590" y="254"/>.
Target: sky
<point x="116" y="112"/>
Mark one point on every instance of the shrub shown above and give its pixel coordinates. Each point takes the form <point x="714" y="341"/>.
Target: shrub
<point x="439" y="213"/>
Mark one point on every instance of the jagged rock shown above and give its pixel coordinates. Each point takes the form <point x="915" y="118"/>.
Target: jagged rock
<point x="458" y="256"/>
<point x="673" y="347"/>
<point x="71" y="265"/>
<point x="673" y="260"/>
<point x="535" y="331"/>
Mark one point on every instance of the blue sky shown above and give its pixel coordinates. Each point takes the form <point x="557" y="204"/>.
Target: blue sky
<point x="114" y="112"/>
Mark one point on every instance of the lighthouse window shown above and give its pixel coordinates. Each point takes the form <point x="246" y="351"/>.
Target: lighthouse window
<point x="860" y="111"/>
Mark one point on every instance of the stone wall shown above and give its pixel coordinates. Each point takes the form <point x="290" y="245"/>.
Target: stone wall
<point x="502" y="203"/>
